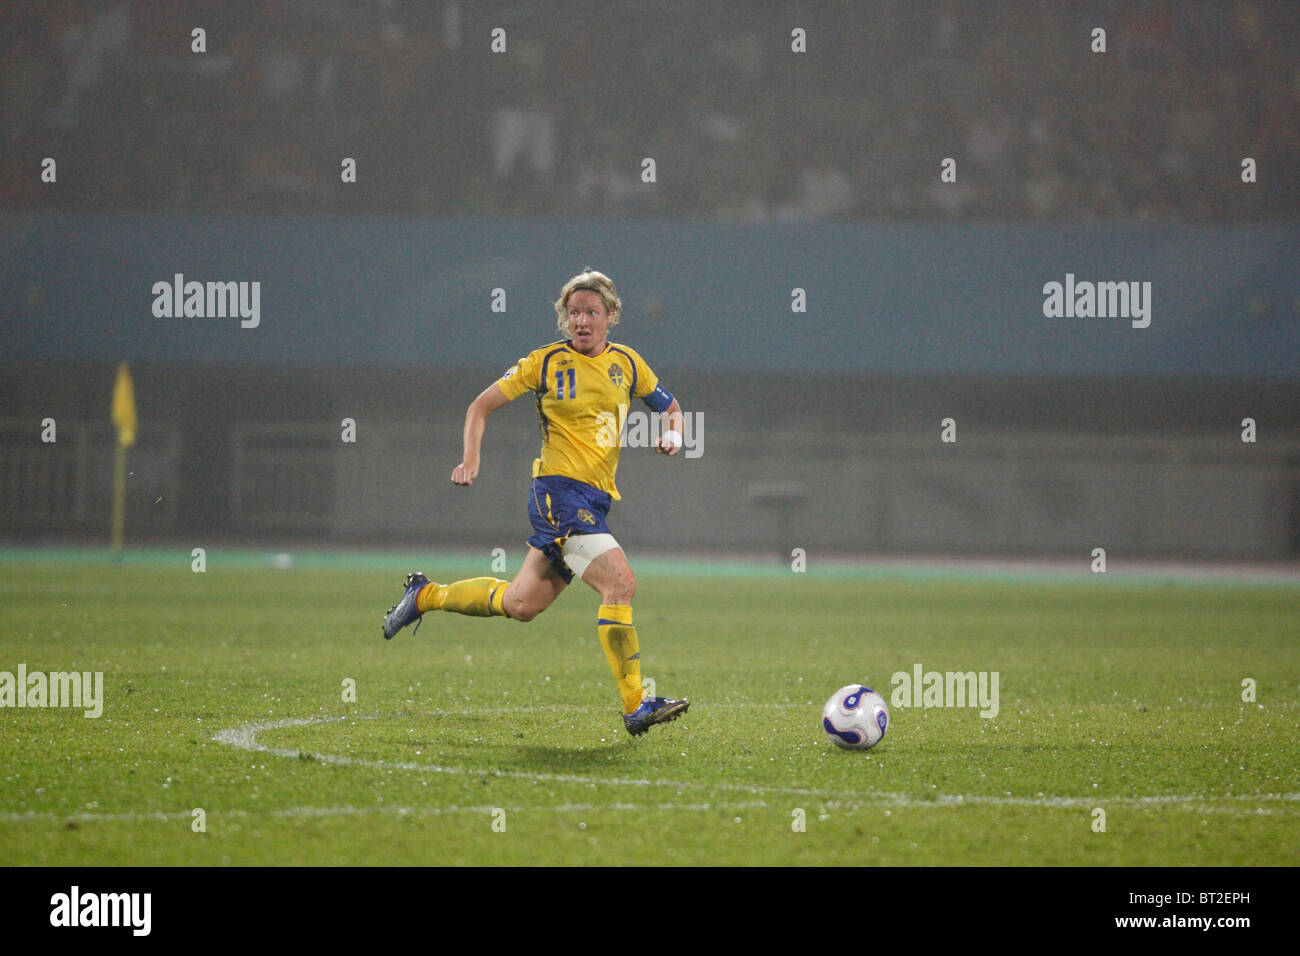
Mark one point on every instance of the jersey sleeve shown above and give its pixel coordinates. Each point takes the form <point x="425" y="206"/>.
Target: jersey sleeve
<point x="523" y="376"/>
<point x="648" y="388"/>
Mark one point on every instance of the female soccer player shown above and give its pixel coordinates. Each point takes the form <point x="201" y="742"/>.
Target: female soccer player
<point x="582" y="386"/>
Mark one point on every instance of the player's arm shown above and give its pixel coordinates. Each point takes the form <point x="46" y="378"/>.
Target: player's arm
<point x="521" y="377"/>
<point x="671" y="421"/>
<point x="659" y="399"/>
<point x="476" y="416"/>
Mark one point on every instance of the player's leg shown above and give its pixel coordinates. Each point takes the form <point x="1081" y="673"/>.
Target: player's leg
<point x="529" y="594"/>
<point x="609" y="575"/>
<point x="541" y="579"/>
<point x="477" y="597"/>
<point x="537" y="584"/>
<point x="481" y="597"/>
<point x="603" y="565"/>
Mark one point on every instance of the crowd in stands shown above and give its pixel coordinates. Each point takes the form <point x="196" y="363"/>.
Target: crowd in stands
<point x="740" y="125"/>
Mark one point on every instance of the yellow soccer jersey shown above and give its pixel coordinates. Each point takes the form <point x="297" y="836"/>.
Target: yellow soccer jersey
<point x="583" y="402"/>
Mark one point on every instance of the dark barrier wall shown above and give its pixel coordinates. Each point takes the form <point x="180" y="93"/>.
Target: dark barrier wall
<point x="893" y="299"/>
<point x="826" y="462"/>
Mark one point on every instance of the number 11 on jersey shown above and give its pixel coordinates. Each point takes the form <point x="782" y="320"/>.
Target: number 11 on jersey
<point x="559" y="384"/>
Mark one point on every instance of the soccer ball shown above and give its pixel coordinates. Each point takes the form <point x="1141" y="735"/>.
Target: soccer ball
<point x="855" y="717"/>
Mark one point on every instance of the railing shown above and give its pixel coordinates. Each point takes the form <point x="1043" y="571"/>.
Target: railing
<point x="1018" y="493"/>
<point x="67" y="484"/>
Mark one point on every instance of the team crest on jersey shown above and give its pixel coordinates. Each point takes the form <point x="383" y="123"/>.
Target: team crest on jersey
<point x="587" y="516"/>
<point x="616" y="374"/>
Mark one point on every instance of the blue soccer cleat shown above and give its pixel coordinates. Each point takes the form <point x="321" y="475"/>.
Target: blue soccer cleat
<point x="404" y="611"/>
<point x="654" y="710"/>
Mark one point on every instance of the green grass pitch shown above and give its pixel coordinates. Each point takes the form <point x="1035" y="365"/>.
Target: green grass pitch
<point x="494" y="742"/>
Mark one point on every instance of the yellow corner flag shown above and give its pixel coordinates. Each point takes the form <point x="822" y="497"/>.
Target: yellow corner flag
<point x="124" y="419"/>
<point x="124" y="407"/>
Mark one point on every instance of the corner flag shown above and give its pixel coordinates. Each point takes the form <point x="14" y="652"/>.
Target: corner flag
<point x="124" y="407"/>
<point x="124" y="418"/>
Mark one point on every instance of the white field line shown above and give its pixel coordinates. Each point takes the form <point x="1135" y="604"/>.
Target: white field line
<point x="350" y="811"/>
<point x="245" y="738"/>
<point x="290" y="813"/>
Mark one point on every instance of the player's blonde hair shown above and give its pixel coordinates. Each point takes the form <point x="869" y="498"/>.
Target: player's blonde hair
<point x="592" y="281"/>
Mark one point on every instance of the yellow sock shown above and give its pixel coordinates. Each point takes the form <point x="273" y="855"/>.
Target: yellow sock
<point x="618" y="638"/>
<point x="479" y="597"/>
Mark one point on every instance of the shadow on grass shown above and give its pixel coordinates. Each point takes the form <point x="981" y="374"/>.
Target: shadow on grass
<point x="609" y="755"/>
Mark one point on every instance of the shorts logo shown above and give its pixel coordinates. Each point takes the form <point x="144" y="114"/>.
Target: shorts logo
<point x="616" y="374"/>
<point x="587" y="516"/>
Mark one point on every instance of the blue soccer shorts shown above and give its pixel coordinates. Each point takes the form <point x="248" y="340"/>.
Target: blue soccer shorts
<point x="559" y="507"/>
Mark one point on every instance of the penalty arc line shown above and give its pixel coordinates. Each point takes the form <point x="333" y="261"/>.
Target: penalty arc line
<point x="244" y="737"/>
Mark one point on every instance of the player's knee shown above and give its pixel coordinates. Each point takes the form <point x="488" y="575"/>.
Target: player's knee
<point x="521" y="611"/>
<point x="621" y="588"/>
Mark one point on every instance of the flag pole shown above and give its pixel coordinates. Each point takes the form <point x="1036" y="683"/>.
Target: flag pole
<point x="119" y="499"/>
<point x="124" y="418"/>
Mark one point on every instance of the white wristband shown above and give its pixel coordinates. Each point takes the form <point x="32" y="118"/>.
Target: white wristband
<point x="673" y="436"/>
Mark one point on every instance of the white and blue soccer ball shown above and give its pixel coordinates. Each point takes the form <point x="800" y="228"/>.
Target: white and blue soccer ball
<point x="855" y="717"/>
